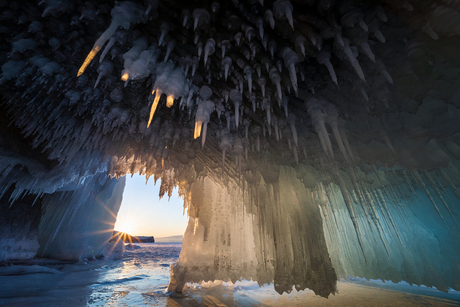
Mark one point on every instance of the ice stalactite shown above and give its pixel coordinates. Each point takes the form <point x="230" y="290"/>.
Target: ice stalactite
<point x="237" y="99"/>
<point x="332" y="119"/>
<point x="201" y="18"/>
<point x="119" y="37"/>
<point x="351" y="57"/>
<point x="209" y="49"/>
<point x="225" y="144"/>
<point x="105" y="69"/>
<point x="122" y="16"/>
<point x="290" y="60"/>
<point x="317" y="112"/>
<point x="283" y="9"/>
<point x="203" y="113"/>
<point x="276" y="80"/>
<point x="324" y="58"/>
<point x="163" y="74"/>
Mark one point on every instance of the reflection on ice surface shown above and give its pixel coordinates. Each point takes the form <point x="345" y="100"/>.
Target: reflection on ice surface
<point x="141" y="276"/>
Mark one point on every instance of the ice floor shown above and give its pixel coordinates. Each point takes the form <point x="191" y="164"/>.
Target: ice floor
<point x="141" y="277"/>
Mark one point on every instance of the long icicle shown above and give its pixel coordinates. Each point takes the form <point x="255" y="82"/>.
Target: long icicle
<point x="435" y="188"/>
<point x="385" y="207"/>
<point x="347" y="199"/>
<point x="450" y="183"/>
<point x="154" y="105"/>
<point x="376" y="220"/>
<point x="423" y="186"/>
<point x="98" y="45"/>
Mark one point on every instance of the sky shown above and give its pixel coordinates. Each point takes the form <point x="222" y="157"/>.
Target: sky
<point x="142" y="213"/>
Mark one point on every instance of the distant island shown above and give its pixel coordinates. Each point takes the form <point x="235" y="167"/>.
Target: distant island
<point x="127" y="238"/>
<point x="171" y="239"/>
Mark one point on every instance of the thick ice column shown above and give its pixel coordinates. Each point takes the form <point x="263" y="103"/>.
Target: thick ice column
<point x="77" y="224"/>
<point x="269" y="232"/>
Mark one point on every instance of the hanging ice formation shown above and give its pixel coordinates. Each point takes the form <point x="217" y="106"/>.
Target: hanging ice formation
<point x="333" y="151"/>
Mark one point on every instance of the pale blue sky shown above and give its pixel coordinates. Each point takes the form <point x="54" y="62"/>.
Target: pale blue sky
<point x="142" y="213"/>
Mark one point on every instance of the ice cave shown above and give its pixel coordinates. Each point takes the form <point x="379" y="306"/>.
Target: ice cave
<point x="310" y="140"/>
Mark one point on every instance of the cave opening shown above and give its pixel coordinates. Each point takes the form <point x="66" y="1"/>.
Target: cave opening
<point x="142" y="214"/>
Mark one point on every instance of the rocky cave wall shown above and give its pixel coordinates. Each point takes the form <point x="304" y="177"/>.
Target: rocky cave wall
<point x="310" y="140"/>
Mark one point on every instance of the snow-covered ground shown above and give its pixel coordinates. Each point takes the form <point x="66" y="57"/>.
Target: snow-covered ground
<point x="141" y="276"/>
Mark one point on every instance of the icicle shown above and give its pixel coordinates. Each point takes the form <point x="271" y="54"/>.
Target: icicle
<point x="376" y="220"/>
<point x="351" y="212"/>
<point x="359" y="84"/>
<point x="300" y="42"/>
<point x="318" y="116"/>
<point x="237" y="99"/>
<point x="291" y="120"/>
<point x="438" y="193"/>
<point x="154" y="105"/>
<point x="384" y="135"/>
<point x="450" y="183"/>
<point x="260" y="26"/>
<point x="164" y="30"/>
<point x="261" y="81"/>
<point x="290" y="59"/>
<point x="266" y="106"/>
<point x="225" y="145"/>
<point x="385" y="206"/>
<point x="171" y="46"/>
<point x="341" y="125"/>
<point x="324" y="58"/>
<point x="248" y="71"/>
<point x="269" y="18"/>
<point x="226" y="63"/>
<point x="276" y="80"/>
<point x="406" y="178"/>
<point x="194" y="65"/>
<point x="105" y="69"/>
<point x="423" y="186"/>
<point x="200" y="17"/>
<point x="203" y="113"/>
<point x="367" y="50"/>
<point x="353" y="61"/>
<point x="122" y="15"/>
<point x="109" y="45"/>
<point x="283" y="9"/>
<point x="209" y="49"/>
<point x="332" y="119"/>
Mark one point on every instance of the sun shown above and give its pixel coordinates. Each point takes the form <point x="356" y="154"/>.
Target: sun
<point x="125" y="227"/>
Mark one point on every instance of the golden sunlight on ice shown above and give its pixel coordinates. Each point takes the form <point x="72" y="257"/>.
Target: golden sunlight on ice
<point x="88" y="60"/>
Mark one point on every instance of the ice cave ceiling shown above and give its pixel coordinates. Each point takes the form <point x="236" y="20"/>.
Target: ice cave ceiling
<point x="310" y="139"/>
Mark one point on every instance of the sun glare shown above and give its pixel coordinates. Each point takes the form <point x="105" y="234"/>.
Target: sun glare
<point x="125" y="227"/>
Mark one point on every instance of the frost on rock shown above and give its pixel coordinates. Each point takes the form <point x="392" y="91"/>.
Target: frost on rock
<point x="309" y="140"/>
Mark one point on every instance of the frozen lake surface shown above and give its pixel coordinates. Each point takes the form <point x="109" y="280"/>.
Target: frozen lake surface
<point x="141" y="276"/>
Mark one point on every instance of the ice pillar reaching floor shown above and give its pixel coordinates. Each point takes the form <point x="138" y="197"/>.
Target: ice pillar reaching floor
<point x="77" y="224"/>
<point x="271" y="231"/>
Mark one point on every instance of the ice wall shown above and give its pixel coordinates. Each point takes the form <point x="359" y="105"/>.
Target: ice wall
<point x="77" y="224"/>
<point x="404" y="238"/>
<point x="19" y="227"/>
